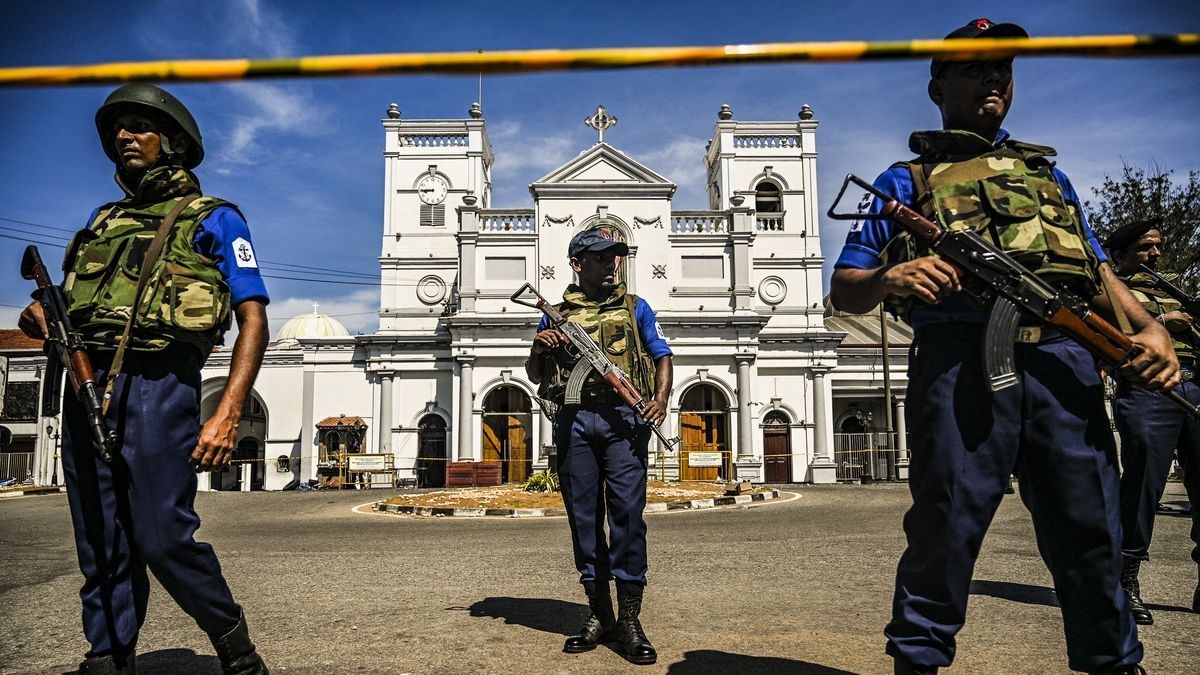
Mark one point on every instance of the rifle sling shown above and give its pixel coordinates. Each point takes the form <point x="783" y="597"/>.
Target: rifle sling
<point x="1118" y="311"/>
<point x="148" y="262"/>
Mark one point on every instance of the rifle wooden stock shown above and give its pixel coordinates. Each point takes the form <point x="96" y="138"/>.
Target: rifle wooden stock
<point x="66" y="347"/>
<point x="998" y="275"/>
<point x="591" y="352"/>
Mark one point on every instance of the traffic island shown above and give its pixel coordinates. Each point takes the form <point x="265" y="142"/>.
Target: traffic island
<point x="511" y="501"/>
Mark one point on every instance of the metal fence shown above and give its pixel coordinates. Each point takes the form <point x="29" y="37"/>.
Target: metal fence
<point x="17" y="465"/>
<point x="869" y="456"/>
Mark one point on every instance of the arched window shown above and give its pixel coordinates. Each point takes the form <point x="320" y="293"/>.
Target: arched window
<point x="767" y="198"/>
<point x="610" y="228"/>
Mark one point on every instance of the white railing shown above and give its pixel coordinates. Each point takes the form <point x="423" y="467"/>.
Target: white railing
<point x="766" y="142"/>
<point x="434" y="140"/>
<point x="508" y="221"/>
<point x="768" y="222"/>
<point x="699" y="222"/>
<point x="18" y="465"/>
<point x="871" y="454"/>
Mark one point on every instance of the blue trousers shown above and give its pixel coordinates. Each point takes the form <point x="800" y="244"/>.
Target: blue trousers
<point x="1052" y="430"/>
<point x="602" y="467"/>
<point x="137" y="512"/>
<point x="1152" y="430"/>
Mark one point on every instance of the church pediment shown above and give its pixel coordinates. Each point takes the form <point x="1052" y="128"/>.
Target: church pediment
<point x="604" y="164"/>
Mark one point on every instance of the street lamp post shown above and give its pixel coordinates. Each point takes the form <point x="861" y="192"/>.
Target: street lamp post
<point x="54" y="435"/>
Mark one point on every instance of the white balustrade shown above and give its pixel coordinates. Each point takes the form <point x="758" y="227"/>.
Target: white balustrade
<point x="770" y="142"/>
<point x="508" y="221"/>
<point x="700" y="222"/>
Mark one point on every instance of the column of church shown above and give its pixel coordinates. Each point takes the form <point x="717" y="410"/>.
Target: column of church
<point x="465" y="407"/>
<point x="824" y="470"/>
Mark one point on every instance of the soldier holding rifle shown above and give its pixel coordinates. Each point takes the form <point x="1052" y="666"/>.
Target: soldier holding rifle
<point x="602" y="441"/>
<point x="1152" y="430"/>
<point x="150" y="286"/>
<point x="1048" y="425"/>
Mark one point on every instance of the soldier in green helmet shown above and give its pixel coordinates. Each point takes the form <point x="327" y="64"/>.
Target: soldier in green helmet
<point x="1049" y="426"/>
<point x="602" y="442"/>
<point x="151" y="284"/>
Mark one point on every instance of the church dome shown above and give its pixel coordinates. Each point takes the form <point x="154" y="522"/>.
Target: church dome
<point x="313" y="324"/>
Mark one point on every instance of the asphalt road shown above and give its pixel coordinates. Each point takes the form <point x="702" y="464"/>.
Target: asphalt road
<point x="802" y="586"/>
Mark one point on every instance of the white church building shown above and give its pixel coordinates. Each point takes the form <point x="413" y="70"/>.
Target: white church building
<point x="768" y="382"/>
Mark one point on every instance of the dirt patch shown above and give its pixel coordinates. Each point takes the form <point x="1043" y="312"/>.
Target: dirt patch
<point x="514" y="497"/>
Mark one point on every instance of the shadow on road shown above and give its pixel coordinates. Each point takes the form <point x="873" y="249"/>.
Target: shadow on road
<point x="1007" y="590"/>
<point x="550" y="616"/>
<point x="176" y="661"/>
<point x="712" y="661"/>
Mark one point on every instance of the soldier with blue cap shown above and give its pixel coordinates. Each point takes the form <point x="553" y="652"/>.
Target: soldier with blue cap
<point x="1050" y="427"/>
<point x="602" y="443"/>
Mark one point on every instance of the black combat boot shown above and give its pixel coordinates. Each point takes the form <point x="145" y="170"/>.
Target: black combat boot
<point x="1196" y="596"/>
<point x="237" y="653"/>
<point x="1132" y="669"/>
<point x="1133" y="591"/>
<point x="635" y="646"/>
<point x="110" y="664"/>
<point x="600" y="622"/>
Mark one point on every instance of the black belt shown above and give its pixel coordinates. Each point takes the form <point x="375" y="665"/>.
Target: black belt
<point x="601" y="396"/>
<point x="974" y="331"/>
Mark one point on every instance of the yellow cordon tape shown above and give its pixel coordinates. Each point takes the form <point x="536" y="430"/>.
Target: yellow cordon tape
<point x="536" y="60"/>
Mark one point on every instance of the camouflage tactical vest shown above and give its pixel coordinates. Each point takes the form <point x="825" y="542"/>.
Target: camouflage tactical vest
<point x="612" y="324"/>
<point x="186" y="298"/>
<point x="1157" y="302"/>
<point x="1008" y="194"/>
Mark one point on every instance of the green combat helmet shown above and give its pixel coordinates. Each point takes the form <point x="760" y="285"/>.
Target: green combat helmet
<point x="148" y="96"/>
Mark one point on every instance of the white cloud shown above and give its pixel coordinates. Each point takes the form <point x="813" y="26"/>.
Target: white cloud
<point x="519" y="150"/>
<point x="357" y="310"/>
<point x="270" y="108"/>
<point x="681" y="161"/>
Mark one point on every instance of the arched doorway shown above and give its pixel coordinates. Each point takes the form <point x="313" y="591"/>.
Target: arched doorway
<point x="507" y="419"/>
<point x="704" y="426"/>
<point x="249" y="451"/>
<point x="777" y="447"/>
<point x="252" y="431"/>
<point x="431" y="451"/>
<point x="610" y="230"/>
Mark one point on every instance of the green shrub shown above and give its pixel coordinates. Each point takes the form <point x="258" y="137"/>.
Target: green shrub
<point x="542" y="481"/>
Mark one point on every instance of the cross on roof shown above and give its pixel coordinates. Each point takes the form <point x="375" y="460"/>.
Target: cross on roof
<point x="600" y="121"/>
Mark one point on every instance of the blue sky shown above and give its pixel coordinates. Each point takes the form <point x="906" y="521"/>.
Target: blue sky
<point x="303" y="158"/>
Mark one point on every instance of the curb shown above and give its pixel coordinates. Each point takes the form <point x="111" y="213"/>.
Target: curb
<point x="445" y="511"/>
<point x="32" y="491"/>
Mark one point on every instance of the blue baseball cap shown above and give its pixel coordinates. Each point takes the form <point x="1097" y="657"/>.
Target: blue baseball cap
<point x="596" y="239"/>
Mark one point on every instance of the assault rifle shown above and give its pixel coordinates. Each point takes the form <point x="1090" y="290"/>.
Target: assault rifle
<point x="1190" y="305"/>
<point x="65" y="350"/>
<point x="590" y="358"/>
<point x="993" y="278"/>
